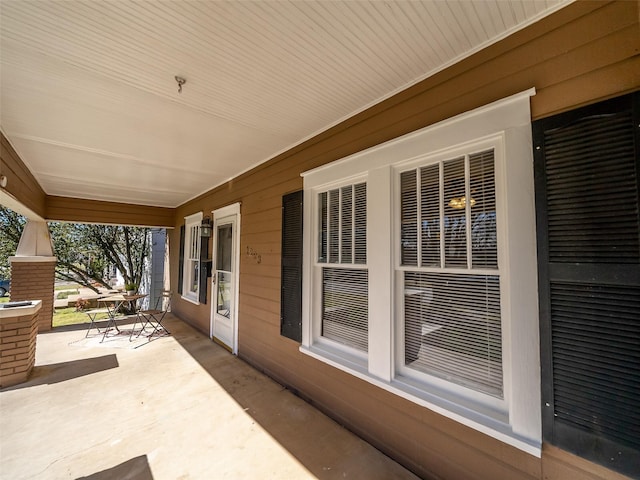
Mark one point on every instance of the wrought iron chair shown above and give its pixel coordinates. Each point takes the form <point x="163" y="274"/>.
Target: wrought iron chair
<point x="154" y="317"/>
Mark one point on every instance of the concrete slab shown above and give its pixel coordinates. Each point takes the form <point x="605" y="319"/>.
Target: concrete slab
<point x="178" y="407"/>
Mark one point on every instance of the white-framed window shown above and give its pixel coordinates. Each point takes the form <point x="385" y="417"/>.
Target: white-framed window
<point x="449" y="321"/>
<point x="451" y="314"/>
<point x="191" y="266"/>
<point x="342" y="266"/>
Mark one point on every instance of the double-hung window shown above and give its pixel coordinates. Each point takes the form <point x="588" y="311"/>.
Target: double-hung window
<point x="419" y="270"/>
<point x="340" y="267"/>
<point x="191" y="266"/>
<point x="450" y="318"/>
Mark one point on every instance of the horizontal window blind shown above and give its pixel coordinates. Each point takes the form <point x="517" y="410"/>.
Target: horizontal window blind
<point x="484" y="245"/>
<point x="455" y="220"/>
<point x="345" y="310"/>
<point x="342" y="244"/>
<point x="409" y="218"/>
<point x="360" y="212"/>
<point x="453" y="328"/>
<point x="452" y="321"/>
<point x="433" y="202"/>
<point x="342" y="225"/>
<point x="430" y="215"/>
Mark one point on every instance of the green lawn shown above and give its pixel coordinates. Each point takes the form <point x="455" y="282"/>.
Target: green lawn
<point x="63" y="294"/>
<point x="66" y="316"/>
<point x="69" y="316"/>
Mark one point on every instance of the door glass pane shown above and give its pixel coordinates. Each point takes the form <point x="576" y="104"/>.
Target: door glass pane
<point x="224" y="247"/>
<point x="223" y="294"/>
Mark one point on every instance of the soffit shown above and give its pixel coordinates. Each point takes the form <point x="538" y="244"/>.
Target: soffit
<point x="89" y="101"/>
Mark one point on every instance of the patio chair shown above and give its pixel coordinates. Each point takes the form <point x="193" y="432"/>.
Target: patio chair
<point x="92" y="314"/>
<point x="154" y="316"/>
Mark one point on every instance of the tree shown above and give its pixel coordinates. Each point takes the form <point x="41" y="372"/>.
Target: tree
<point x="84" y="252"/>
<point x="11" y="225"/>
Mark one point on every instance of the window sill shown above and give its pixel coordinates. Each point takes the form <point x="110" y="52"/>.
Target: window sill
<point x="492" y="423"/>
<point x="190" y="300"/>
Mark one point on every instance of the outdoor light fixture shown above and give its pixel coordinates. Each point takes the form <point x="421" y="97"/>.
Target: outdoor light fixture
<point x="181" y="81"/>
<point x="205" y="227"/>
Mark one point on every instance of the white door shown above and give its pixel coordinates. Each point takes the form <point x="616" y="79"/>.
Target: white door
<point x="224" y="277"/>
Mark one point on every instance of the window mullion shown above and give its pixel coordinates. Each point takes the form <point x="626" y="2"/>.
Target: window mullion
<point x="442" y="219"/>
<point x="418" y="217"/>
<point x="353" y="224"/>
<point x="467" y="209"/>
<point x="340" y="206"/>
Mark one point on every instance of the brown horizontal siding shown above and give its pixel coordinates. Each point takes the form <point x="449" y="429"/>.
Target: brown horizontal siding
<point x="560" y="465"/>
<point x="21" y="184"/>
<point x="67" y="209"/>
<point x="583" y="53"/>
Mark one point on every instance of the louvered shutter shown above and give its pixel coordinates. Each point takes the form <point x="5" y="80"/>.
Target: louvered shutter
<point x="291" y="272"/>
<point x="587" y="167"/>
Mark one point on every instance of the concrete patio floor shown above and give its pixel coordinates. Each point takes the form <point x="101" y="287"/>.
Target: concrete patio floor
<point x="179" y="407"/>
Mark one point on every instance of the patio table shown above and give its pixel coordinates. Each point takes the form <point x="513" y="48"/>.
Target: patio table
<point x="113" y="304"/>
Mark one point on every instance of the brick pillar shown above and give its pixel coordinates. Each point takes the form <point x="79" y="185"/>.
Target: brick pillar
<point x="18" y="331"/>
<point x="32" y="278"/>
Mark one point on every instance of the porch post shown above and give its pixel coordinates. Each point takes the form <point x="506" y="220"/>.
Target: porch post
<point x="33" y="271"/>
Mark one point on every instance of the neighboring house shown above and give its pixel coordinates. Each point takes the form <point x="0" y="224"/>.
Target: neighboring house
<point x="454" y="273"/>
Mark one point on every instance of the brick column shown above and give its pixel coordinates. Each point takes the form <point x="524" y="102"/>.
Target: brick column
<point x="18" y="332"/>
<point x="33" y="278"/>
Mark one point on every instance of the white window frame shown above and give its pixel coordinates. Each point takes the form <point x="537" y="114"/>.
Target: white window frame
<point x="413" y="377"/>
<point x="506" y="126"/>
<point x="330" y="348"/>
<point x="191" y="253"/>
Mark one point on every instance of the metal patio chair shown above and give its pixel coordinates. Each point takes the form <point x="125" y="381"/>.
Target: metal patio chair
<point x="154" y="317"/>
<point x="92" y="314"/>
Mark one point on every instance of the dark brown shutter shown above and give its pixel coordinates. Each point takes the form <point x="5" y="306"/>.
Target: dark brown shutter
<point x="587" y="167"/>
<point x="181" y="260"/>
<point x="291" y="273"/>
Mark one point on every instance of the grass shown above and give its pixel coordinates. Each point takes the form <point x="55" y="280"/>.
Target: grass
<point x="65" y="294"/>
<point x="66" y="286"/>
<point x="66" y="316"/>
<point x="69" y="316"/>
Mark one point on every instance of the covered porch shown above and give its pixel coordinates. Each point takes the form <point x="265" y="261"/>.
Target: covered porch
<point x="176" y="407"/>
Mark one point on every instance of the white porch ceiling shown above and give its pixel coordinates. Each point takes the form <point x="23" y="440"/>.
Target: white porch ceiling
<point x="89" y="101"/>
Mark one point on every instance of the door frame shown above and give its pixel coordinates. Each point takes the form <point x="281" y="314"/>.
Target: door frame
<point x="220" y="213"/>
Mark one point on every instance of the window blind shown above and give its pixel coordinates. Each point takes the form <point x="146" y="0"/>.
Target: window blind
<point x="452" y="321"/>
<point x="342" y="225"/>
<point x="342" y="243"/>
<point x="455" y="222"/>
<point x="430" y="215"/>
<point x="453" y="328"/>
<point x="345" y="310"/>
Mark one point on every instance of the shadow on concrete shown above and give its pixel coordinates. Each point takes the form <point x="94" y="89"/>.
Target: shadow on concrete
<point x="135" y="469"/>
<point x="61" y="372"/>
<point x="283" y="414"/>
